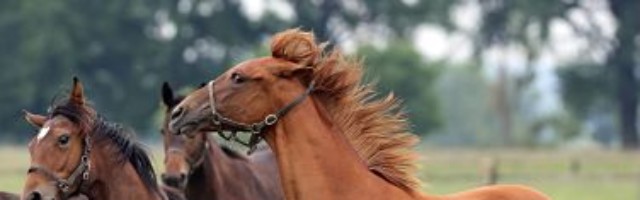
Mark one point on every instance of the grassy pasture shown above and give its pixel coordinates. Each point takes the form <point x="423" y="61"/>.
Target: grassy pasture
<point x="598" y="176"/>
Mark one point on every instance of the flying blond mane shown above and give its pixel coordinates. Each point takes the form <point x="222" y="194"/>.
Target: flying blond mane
<point x="376" y="127"/>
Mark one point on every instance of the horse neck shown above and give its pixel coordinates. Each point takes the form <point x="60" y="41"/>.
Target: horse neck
<point x="317" y="162"/>
<point x="109" y="181"/>
<point x="202" y="182"/>
<point x="223" y="177"/>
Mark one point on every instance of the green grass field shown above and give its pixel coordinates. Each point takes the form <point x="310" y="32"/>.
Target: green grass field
<point x="600" y="175"/>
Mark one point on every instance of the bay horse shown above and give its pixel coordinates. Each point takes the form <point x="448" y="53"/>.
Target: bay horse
<point x="332" y="138"/>
<point x="206" y="170"/>
<point x="12" y="196"/>
<point x="79" y="153"/>
<point x="9" y="196"/>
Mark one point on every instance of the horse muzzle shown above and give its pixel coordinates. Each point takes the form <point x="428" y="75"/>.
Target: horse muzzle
<point x="175" y="180"/>
<point x="42" y="193"/>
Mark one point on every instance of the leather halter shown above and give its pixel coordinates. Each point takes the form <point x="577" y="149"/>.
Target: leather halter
<point x="255" y="129"/>
<point x="79" y="176"/>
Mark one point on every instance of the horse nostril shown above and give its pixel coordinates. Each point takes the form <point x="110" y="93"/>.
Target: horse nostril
<point x="164" y="177"/>
<point x="182" y="177"/>
<point x="177" y="113"/>
<point x="34" y="196"/>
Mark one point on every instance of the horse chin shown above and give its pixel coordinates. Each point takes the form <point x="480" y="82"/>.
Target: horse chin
<point x="79" y="197"/>
<point x="187" y="129"/>
<point x="183" y="184"/>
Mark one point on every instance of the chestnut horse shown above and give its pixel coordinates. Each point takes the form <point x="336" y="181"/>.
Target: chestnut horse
<point x="333" y="139"/>
<point x="79" y="153"/>
<point x="205" y="170"/>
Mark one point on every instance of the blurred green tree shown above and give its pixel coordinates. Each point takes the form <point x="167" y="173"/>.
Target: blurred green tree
<point x="507" y="23"/>
<point x="398" y="68"/>
<point x="624" y="60"/>
<point x="123" y="50"/>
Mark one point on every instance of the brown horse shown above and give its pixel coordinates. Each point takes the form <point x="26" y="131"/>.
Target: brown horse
<point x="12" y="196"/>
<point x="78" y="152"/>
<point x="205" y="170"/>
<point x="332" y="138"/>
<point x="9" y="196"/>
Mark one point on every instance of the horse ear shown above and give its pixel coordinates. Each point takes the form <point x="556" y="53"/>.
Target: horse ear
<point x="295" y="46"/>
<point x="77" y="93"/>
<point x="167" y="95"/>
<point x="34" y="119"/>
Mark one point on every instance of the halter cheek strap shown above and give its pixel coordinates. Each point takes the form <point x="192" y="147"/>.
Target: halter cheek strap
<point x="256" y="129"/>
<point x="75" y="179"/>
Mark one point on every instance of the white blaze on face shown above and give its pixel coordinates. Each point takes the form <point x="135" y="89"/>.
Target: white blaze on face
<point x="43" y="132"/>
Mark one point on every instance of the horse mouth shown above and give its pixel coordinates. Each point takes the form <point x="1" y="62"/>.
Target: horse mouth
<point x="179" y="127"/>
<point x="175" y="182"/>
<point x="187" y="129"/>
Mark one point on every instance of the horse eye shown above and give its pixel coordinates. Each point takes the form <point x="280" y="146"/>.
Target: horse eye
<point x="63" y="140"/>
<point x="237" y="79"/>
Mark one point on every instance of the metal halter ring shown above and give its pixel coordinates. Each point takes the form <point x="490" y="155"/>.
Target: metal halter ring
<point x="85" y="176"/>
<point x="270" y="119"/>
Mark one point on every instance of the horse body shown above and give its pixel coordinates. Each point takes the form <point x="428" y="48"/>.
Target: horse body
<point x="497" y="192"/>
<point x="308" y="161"/>
<point x="321" y="160"/>
<point x="9" y="196"/>
<point x="331" y="137"/>
<point x="224" y="176"/>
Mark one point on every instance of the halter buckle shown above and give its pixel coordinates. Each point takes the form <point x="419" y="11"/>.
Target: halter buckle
<point x="63" y="186"/>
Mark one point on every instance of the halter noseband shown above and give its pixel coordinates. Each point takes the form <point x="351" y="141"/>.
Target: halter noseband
<point x="255" y="129"/>
<point x="65" y="184"/>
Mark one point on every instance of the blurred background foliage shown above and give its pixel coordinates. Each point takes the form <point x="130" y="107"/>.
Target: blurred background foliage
<point x="124" y="49"/>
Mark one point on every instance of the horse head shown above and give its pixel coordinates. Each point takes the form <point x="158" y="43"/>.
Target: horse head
<point x="59" y="152"/>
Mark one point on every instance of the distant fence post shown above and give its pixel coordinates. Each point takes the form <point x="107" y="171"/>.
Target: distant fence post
<point x="638" y="186"/>
<point x="491" y="170"/>
<point x="575" y="167"/>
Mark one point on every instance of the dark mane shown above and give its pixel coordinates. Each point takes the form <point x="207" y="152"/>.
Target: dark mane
<point x="114" y="134"/>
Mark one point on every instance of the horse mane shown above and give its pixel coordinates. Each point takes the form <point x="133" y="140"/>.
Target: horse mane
<point x="116" y="135"/>
<point x="377" y="128"/>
